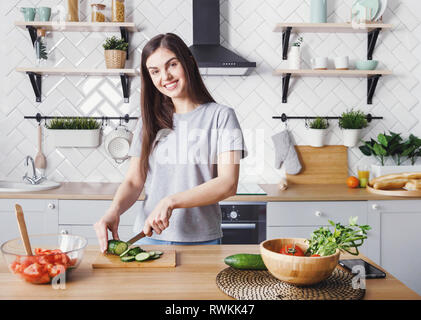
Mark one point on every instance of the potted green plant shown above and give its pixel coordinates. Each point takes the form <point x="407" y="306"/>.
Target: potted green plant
<point x="75" y="132"/>
<point x="317" y="130"/>
<point x="393" y="146"/>
<point x="352" y="122"/>
<point x="115" y="52"/>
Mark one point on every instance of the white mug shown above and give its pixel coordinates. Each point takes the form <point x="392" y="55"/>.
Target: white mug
<point x="319" y="63"/>
<point x="341" y="63"/>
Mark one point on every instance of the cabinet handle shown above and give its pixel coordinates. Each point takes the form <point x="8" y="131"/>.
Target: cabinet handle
<point x="64" y="231"/>
<point x="318" y="213"/>
<point x="375" y="206"/>
<point x="51" y="206"/>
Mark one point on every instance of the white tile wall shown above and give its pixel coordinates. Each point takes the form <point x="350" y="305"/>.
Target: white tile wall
<point x="246" y="27"/>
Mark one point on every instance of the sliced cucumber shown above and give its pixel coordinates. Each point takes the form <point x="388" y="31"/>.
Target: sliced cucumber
<point x="112" y="244"/>
<point x="151" y="253"/>
<point x="157" y="256"/>
<point x="120" y="247"/>
<point x="159" y="252"/>
<point x="127" y="258"/>
<point x="134" y="251"/>
<point x="143" y="256"/>
<point x="126" y="253"/>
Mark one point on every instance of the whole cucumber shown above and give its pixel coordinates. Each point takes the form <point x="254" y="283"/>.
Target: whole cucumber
<point x="246" y="261"/>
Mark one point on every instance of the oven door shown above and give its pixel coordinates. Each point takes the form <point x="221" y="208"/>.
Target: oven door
<point x="240" y="233"/>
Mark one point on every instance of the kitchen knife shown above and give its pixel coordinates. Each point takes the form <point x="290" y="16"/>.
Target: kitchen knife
<point x="135" y="238"/>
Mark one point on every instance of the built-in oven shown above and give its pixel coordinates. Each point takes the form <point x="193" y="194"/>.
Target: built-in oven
<point x="243" y="222"/>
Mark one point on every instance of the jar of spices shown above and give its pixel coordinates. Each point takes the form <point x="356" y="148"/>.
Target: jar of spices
<point x="118" y="11"/>
<point x="97" y="14"/>
<point x="73" y="10"/>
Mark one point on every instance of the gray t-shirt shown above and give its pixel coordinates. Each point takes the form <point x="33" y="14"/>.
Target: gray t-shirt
<point x="184" y="158"/>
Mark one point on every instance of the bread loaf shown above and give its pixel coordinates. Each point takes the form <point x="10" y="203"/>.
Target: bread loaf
<point x="390" y="184"/>
<point x="413" y="185"/>
<point x="405" y="175"/>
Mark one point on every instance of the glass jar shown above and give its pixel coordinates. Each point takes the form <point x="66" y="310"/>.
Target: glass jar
<point x="118" y="11"/>
<point x="40" y="46"/>
<point x="98" y="12"/>
<point x="73" y="10"/>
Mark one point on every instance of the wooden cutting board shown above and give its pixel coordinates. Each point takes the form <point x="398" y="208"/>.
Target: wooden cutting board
<point x="107" y="261"/>
<point x="325" y="165"/>
<point x="396" y="193"/>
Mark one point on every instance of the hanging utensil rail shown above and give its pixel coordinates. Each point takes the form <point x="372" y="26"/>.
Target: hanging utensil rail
<point x="285" y="118"/>
<point x="39" y="117"/>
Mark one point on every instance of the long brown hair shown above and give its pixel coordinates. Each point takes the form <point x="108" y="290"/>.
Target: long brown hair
<point x="157" y="109"/>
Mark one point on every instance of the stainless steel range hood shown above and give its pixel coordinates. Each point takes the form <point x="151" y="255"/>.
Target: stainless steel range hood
<point x="214" y="59"/>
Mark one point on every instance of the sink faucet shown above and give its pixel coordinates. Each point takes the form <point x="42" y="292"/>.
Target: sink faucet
<point x="34" y="179"/>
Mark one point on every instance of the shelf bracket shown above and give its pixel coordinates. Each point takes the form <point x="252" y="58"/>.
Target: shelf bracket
<point x="371" y="44"/>
<point x="125" y="85"/>
<point x="285" y="42"/>
<point x="33" y="33"/>
<point x="36" y="84"/>
<point x="371" y="87"/>
<point x="285" y="87"/>
<point x="125" y="36"/>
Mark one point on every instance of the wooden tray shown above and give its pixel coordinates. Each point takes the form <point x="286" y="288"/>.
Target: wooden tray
<point x="396" y="193"/>
<point x="106" y="261"/>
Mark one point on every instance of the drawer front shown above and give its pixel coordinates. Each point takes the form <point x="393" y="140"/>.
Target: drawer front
<point x="315" y="213"/>
<point x="87" y="212"/>
<point x="124" y="232"/>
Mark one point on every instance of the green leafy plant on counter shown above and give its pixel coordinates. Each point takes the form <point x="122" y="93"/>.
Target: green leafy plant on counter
<point x="387" y="146"/>
<point x="353" y="120"/>
<point x="114" y="43"/>
<point x="318" y="123"/>
<point x="74" y="124"/>
<point x="324" y="242"/>
<point x="412" y="148"/>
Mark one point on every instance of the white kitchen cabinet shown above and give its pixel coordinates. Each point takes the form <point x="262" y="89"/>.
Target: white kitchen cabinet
<point x="300" y="219"/>
<point x="41" y="216"/>
<point x="79" y="216"/>
<point x="395" y="239"/>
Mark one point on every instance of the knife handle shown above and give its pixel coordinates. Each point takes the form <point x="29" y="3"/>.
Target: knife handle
<point x="136" y="238"/>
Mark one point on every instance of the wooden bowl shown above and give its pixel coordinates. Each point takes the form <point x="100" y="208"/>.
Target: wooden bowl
<point x="296" y="270"/>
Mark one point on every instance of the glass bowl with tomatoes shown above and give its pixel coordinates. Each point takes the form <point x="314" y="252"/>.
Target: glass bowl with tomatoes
<point x="287" y="260"/>
<point x="54" y="255"/>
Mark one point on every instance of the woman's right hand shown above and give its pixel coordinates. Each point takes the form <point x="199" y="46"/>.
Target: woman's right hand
<point x="110" y="222"/>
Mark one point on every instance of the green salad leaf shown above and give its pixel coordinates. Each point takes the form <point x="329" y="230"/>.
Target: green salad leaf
<point x="324" y="242"/>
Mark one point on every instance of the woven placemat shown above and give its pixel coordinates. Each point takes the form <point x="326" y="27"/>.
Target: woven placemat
<point x="261" y="285"/>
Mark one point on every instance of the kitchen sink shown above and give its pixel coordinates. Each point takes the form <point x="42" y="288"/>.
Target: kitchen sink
<point x="13" y="186"/>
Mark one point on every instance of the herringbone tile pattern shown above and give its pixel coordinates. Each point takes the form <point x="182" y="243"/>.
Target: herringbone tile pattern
<point x="246" y="27"/>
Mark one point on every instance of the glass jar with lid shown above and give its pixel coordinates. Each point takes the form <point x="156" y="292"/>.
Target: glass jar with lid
<point x="41" y="50"/>
<point x="118" y="11"/>
<point x="73" y="10"/>
<point x="98" y="12"/>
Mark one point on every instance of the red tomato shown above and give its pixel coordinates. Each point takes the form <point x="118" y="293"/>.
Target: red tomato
<point x="44" y="278"/>
<point x="292" y="250"/>
<point x="54" y="270"/>
<point x="33" y="272"/>
<point x="315" y="255"/>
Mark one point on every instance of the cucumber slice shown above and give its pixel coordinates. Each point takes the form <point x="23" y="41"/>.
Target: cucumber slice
<point x="126" y="252"/>
<point x="143" y="256"/>
<point x="157" y="256"/>
<point x="151" y="253"/>
<point x="159" y="252"/>
<point x="134" y="251"/>
<point x="127" y="258"/>
<point x="120" y="248"/>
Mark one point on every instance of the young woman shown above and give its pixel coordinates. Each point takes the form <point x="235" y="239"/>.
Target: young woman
<point x="185" y="153"/>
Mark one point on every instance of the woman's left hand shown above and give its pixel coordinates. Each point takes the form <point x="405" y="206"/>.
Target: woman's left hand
<point x="159" y="218"/>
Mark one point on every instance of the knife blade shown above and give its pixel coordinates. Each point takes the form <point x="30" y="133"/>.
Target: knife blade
<point x="136" y="238"/>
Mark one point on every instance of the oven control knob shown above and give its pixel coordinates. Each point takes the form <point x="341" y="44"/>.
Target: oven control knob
<point x="233" y="215"/>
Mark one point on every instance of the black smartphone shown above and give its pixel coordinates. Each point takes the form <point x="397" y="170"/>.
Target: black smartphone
<point x="371" y="272"/>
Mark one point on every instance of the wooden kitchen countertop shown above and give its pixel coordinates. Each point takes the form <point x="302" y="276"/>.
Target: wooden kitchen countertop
<point x="193" y="278"/>
<point x="297" y="192"/>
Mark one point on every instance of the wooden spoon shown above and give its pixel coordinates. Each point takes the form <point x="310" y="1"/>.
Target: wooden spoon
<point x="23" y="230"/>
<point x="40" y="160"/>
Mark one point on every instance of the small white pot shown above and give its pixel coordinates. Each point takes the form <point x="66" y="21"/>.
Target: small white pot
<point x="75" y="138"/>
<point x="294" y="58"/>
<point x="351" y="137"/>
<point x="316" y="137"/>
<point x="377" y="170"/>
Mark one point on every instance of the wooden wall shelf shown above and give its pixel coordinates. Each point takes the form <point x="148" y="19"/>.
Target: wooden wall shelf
<point x="78" y="26"/>
<point x="373" y="77"/>
<point x="35" y="76"/>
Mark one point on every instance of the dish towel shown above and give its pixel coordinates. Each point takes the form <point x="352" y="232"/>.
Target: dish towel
<point x="285" y="153"/>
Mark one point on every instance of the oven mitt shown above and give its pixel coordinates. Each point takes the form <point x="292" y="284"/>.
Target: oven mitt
<point x="285" y="153"/>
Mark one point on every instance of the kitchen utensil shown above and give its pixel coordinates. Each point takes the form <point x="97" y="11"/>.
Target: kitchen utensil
<point x="293" y="269"/>
<point x="261" y="285"/>
<point x="44" y="13"/>
<point x="136" y="238"/>
<point x="117" y="143"/>
<point x="366" y="64"/>
<point x="40" y="160"/>
<point x="22" y="229"/>
<point x="382" y="9"/>
<point x="365" y="9"/>
<point x="17" y="259"/>
<point x="341" y="63"/>
<point x="28" y="13"/>
<point x="319" y="63"/>
<point x="167" y="260"/>
<point x="318" y="10"/>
